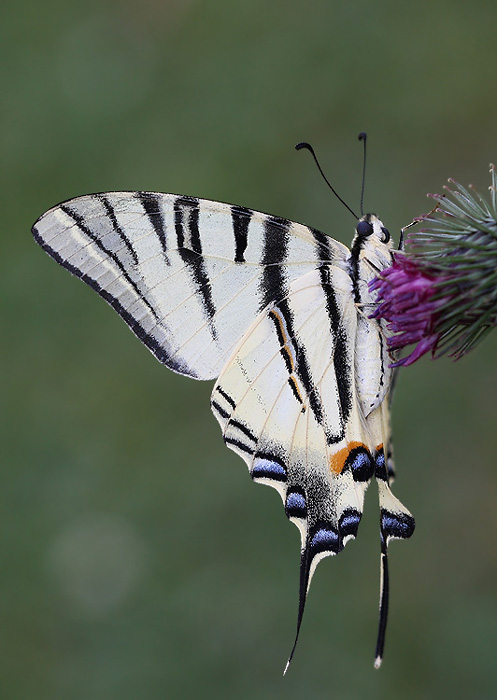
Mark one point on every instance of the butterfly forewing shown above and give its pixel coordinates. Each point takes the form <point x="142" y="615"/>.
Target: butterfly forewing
<point x="187" y="275"/>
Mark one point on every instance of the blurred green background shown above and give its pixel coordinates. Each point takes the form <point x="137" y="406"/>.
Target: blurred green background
<point x="138" y="559"/>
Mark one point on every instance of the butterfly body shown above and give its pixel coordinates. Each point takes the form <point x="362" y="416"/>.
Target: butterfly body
<point x="279" y="314"/>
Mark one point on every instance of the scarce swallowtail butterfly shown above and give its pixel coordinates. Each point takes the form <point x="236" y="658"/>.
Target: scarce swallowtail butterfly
<point x="277" y="314"/>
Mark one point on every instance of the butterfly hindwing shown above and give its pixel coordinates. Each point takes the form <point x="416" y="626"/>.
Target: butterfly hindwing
<point x="286" y="402"/>
<point x="187" y="275"/>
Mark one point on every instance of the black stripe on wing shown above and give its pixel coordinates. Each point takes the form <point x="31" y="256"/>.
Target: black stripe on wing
<point x="225" y="396"/>
<point x="109" y="210"/>
<point x="162" y="350"/>
<point x="288" y="351"/>
<point x="219" y="409"/>
<point x="236" y="432"/>
<point x="151" y="206"/>
<point x="240" y="217"/>
<point x="186" y="217"/>
<point x="239" y="444"/>
<point x="81" y="223"/>
<point x="323" y="245"/>
<point x="341" y="357"/>
<point x="300" y="367"/>
<point x="235" y="424"/>
<point x="273" y="284"/>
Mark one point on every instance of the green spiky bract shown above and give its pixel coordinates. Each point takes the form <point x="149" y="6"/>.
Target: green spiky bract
<point x="457" y="248"/>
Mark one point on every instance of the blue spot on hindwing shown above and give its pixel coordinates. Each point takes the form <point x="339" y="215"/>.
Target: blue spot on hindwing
<point x="360" y="463"/>
<point x="324" y="539"/>
<point x="349" y="522"/>
<point x="396" y="525"/>
<point x="265" y="468"/>
<point x="380" y="465"/>
<point x="296" y="506"/>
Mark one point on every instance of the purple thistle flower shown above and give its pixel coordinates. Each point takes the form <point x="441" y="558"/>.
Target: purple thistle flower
<point x="409" y="307"/>
<point x="441" y="295"/>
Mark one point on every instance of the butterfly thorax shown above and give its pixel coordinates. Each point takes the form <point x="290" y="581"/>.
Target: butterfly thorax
<point x="371" y="252"/>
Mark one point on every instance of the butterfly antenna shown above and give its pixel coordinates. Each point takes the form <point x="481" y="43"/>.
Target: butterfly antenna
<point x="298" y="147"/>
<point x="362" y="137"/>
<point x="384" y="596"/>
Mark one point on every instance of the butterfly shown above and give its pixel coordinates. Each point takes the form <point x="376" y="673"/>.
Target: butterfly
<point x="278" y="314"/>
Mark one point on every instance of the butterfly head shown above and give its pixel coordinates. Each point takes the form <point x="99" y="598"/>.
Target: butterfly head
<point x="372" y="241"/>
<point x="370" y="228"/>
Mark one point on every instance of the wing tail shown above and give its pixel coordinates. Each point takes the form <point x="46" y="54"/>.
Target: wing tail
<point x="384" y="600"/>
<point x="396" y="523"/>
<point x="303" y="588"/>
<point x="323" y="540"/>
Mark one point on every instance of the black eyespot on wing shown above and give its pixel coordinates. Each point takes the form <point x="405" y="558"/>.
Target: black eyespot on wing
<point x="364" y="229"/>
<point x="266" y="466"/>
<point x="360" y="463"/>
<point x="396" y="526"/>
<point x="380" y="466"/>
<point x="296" y="504"/>
<point x="349" y="522"/>
<point x="386" y="234"/>
<point x="323" y="537"/>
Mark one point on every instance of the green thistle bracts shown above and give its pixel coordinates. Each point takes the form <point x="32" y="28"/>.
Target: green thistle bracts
<point x="453" y="260"/>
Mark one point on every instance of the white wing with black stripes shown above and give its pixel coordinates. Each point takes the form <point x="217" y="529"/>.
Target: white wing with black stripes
<point x="187" y="275"/>
<point x="287" y="404"/>
<point x="279" y="313"/>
